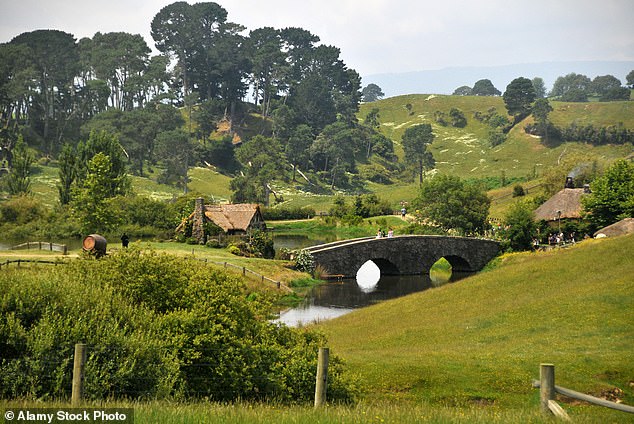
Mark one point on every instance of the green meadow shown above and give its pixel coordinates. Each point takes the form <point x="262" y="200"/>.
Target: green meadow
<point x="468" y="351"/>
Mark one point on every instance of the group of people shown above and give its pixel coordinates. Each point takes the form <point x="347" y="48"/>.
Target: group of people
<point x="381" y="233"/>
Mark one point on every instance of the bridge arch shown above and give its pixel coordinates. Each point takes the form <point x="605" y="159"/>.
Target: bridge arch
<point x="404" y="255"/>
<point x="385" y="266"/>
<point x="458" y="263"/>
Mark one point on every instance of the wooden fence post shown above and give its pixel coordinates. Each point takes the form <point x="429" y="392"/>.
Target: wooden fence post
<point x="547" y="385"/>
<point x="321" y="383"/>
<point x="78" y="374"/>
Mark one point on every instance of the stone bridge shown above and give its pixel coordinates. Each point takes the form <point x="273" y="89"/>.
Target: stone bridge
<point x="404" y="255"/>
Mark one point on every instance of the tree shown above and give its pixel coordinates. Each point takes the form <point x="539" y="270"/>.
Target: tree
<point x="602" y="85"/>
<point x="91" y="201"/>
<point x="298" y="147"/>
<point x="463" y="90"/>
<point x="612" y="197"/>
<point x="268" y="65"/>
<point x="54" y="59"/>
<point x="484" y="87"/>
<point x="458" y="119"/>
<point x="175" y="150"/>
<point x="518" y="97"/>
<point x="67" y="161"/>
<point x="117" y="181"/>
<point x="630" y="79"/>
<point x="415" y="141"/>
<point x="371" y="93"/>
<point x="520" y="224"/>
<point x="453" y="204"/>
<point x="117" y="57"/>
<point x="541" y="109"/>
<point x="571" y="88"/>
<point x="539" y="86"/>
<point x="262" y="161"/>
<point x="19" y="178"/>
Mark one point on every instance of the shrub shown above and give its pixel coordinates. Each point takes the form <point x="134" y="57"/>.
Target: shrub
<point x="21" y="210"/>
<point x="304" y="261"/>
<point x="518" y="190"/>
<point x="157" y="326"/>
<point x="234" y="250"/>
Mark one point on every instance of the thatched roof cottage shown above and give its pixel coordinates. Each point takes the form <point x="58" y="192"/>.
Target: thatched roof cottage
<point x="566" y="204"/>
<point x="231" y="218"/>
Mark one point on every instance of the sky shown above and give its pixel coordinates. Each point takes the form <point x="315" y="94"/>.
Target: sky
<point x="381" y="36"/>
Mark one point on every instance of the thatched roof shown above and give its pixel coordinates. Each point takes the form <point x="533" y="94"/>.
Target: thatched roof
<point x="233" y="217"/>
<point x="624" y="226"/>
<point x="568" y="201"/>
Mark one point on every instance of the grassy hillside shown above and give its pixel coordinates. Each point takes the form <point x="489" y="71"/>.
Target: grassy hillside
<point x="466" y="152"/>
<point x="479" y="342"/>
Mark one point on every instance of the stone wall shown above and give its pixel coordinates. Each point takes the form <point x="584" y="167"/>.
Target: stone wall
<point x="405" y="255"/>
<point x="198" y="229"/>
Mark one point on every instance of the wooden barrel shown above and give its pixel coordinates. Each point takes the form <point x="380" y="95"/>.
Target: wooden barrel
<point x="95" y="244"/>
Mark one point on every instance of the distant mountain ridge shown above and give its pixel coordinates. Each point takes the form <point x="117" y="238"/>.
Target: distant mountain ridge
<point x="445" y="81"/>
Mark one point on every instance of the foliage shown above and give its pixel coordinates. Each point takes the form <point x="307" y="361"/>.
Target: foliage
<point x="539" y="86"/>
<point x="415" y="141"/>
<point x="371" y="93"/>
<point x="261" y="244"/>
<point x="362" y="206"/>
<point x="613" y="134"/>
<point x="175" y="149"/>
<point x="518" y="190"/>
<point x="612" y="196"/>
<point x="520" y="226"/>
<point x="463" y="90"/>
<point x="67" y="173"/>
<point x="156" y="326"/>
<point x="116" y="180"/>
<point x="571" y="88"/>
<point x="262" y="162"/>
<point x="92" y="202"/>
<point x="284" y="213"/>
<point x="518" y="97"/>
<point x="19" y="181"/>
<point x="21" y="210"/>
<point x="458" y="119"/>
<point x="452" y="204"/>
<point x="304" y="261"/>
<point x="484" y="87"/>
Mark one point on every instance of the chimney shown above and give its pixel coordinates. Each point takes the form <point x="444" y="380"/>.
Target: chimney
<point x="198" y="229"/>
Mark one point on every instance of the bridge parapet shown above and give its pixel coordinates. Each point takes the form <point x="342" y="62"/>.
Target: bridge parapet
<point x="404" y="255"/>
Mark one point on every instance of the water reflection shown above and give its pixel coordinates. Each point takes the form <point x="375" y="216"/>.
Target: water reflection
<point x="368" y="277"/>
<point x="333" y="299"/>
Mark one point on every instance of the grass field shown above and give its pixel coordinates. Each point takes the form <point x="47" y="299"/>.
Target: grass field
<point x="478" y="343"/>
<point x="465" y="152"/>
<point x="467" y="352"/>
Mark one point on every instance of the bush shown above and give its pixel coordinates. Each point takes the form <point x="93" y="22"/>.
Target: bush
<point x="518" y="190"/>
<point x="278" y="214"/>
<point x="157" y="327"/>
<point x="234" y="250"/>
<point x="21" y="210"/>
<point x="304" y="261"/>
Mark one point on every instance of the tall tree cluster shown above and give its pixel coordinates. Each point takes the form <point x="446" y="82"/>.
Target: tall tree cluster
<point x="53" y="88"/>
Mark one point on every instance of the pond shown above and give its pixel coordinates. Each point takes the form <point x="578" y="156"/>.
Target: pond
<point x="336" y="298"/>
<point x="73" y="243"/>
